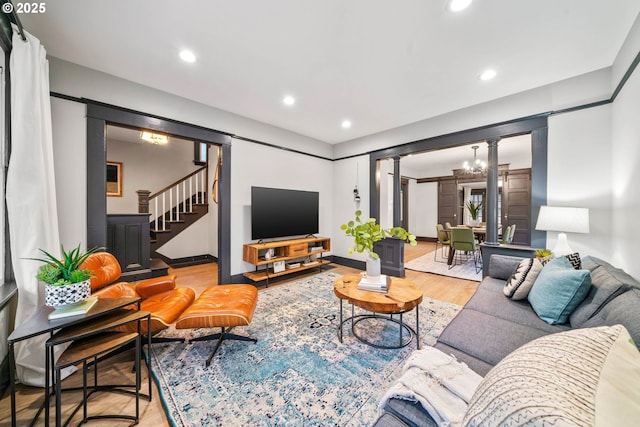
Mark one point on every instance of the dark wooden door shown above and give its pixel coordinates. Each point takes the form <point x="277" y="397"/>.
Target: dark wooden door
<point x="448" y="201"/>
<point x="516" y="205"/>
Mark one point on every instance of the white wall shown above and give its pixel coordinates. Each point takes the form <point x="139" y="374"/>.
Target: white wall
<point x="193" y="241"/>
<point x="70" y="161"/>
<point x="346" y="173"/>
<point x="254" y="164"/>
<point x="626" y="177"/>
<point x="424" y="209"/>
<point x="579" y="174"/>
<point x="147" y="167"/>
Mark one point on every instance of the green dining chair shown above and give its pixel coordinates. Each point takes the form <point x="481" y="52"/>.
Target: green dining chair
<point x="463" y="241"/>
<point x="443" y="240"/>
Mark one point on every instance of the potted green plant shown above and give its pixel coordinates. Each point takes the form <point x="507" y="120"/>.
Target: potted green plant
<point x="366" y="233"/>
<point x="474" y="209"/>
<point x="65" y="281"/>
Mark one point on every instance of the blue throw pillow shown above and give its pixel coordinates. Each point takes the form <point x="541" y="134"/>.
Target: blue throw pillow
<point x="558" y="290"/>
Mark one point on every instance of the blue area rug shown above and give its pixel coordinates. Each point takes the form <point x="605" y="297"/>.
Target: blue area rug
<point x="298" y="373"/>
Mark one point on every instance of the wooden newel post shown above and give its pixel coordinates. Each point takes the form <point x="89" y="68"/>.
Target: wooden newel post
<point x="143" y="201"/>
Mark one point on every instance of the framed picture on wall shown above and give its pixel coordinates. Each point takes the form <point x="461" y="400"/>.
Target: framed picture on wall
<point x="114" y="179"/>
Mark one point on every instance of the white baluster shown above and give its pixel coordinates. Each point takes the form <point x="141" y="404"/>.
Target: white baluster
<point x="190" y="194"/>
<point x="155" y="211"/>
<point x="195" y="177"/>
<point x="164" y="223"/>
<point x="178" y="202"/>
<point x="203" y="175"/>
<point x="171" y="205"/>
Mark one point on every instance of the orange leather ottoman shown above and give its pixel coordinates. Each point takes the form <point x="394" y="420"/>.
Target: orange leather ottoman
<point x="222" y="306"/>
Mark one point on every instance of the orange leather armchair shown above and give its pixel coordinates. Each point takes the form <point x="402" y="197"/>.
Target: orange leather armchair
<point x="159" y="295"/>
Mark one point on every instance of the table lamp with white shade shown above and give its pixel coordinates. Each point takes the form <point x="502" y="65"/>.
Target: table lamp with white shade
<point x="565" y="220"/>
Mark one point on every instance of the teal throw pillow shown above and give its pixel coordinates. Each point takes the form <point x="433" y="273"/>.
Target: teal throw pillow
<point x="558" y="290"/>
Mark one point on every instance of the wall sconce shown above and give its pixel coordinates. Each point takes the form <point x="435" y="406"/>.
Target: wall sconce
<point x="356" y="195"/>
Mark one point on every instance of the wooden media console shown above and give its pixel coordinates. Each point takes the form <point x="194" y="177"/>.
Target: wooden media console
<point x="295" y="251"/>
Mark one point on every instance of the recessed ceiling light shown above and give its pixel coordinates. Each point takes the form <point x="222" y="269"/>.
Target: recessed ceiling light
<point x="458" y="5"/>
<point x="487" y="75"/>
<point x="187" y="56"/>
<point x="288" y="100"/>
<point x="346" y="124"/>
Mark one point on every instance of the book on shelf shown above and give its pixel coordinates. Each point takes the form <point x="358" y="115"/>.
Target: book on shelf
<point x="76" y="309"/>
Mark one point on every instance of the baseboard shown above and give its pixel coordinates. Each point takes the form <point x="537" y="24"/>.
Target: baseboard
<point x="189" y="261"/>
<point x="350" y="262"/>
<point x="426" y="239"/>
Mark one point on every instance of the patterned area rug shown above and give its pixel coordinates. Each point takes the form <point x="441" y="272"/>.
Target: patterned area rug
<point x="427" y="264"/>
<point x="298" y="373"/>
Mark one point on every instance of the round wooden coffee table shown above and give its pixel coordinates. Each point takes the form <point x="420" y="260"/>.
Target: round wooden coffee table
<point x="401" y="297"/>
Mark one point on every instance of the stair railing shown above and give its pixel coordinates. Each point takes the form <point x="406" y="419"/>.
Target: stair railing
<point x="175" y="199"/>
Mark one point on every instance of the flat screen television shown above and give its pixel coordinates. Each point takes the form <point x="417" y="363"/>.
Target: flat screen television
<point x="277" y="212"/>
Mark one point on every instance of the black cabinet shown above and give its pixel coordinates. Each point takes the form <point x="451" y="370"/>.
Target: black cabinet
<point x="128" y="239"/>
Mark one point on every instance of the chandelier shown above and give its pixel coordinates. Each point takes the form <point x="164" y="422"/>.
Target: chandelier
<point x="477" y="166"/>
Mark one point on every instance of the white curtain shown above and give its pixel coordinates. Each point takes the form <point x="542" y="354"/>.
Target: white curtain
<point x="31" y="195"/>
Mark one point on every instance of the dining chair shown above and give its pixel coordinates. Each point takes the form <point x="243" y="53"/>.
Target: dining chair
<point x="512" y="233"/>
<point x="447" y="226"/>
<point x="507" y="236"/>
<point x="443" y="240"/>
<point x="463" y="240"/>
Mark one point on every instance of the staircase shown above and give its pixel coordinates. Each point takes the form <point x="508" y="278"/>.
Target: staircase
<point x="167" y="227"/>
<point x="174" y="208"/>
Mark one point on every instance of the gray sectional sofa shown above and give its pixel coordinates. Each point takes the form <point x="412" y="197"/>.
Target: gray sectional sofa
<point x="490" y="326"/>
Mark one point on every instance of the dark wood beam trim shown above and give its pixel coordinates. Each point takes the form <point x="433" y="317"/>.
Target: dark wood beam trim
<point x="279" y="147"/>
<point x="502" y="170"/>
<point x="627" y="74"/>
<point x="539" y="165"/>
<point x="140" y="120"/>
<point x="455" y="139"/>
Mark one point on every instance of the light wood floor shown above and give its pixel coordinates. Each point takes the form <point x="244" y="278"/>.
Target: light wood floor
<point x="118" y="369"/>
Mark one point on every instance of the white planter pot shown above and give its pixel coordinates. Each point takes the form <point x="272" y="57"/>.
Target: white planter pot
<point x="373" y="266"/>
<point x="55" y="296"/>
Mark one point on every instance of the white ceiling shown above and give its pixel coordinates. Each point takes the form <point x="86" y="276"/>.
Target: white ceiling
<point x="379" y="63"/>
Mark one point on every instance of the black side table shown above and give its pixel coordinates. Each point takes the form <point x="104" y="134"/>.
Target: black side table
<point x="38" y="323"/>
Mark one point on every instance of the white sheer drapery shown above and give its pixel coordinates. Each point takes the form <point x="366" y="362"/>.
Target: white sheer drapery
<point x="31" y="193"/>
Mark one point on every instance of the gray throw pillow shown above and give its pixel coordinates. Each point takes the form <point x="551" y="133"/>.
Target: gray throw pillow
<point x="522" y="279"/>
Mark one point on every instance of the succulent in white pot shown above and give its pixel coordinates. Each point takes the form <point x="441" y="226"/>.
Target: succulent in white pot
<point x="65" y="281"/>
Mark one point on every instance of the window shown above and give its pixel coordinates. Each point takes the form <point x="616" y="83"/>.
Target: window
<point x="479" y="195"/>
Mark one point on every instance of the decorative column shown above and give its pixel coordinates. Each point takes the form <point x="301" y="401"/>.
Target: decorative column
<point x="492" y="193"/>
<point x="391" y="249"/>
<point x="397" y="220"/>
